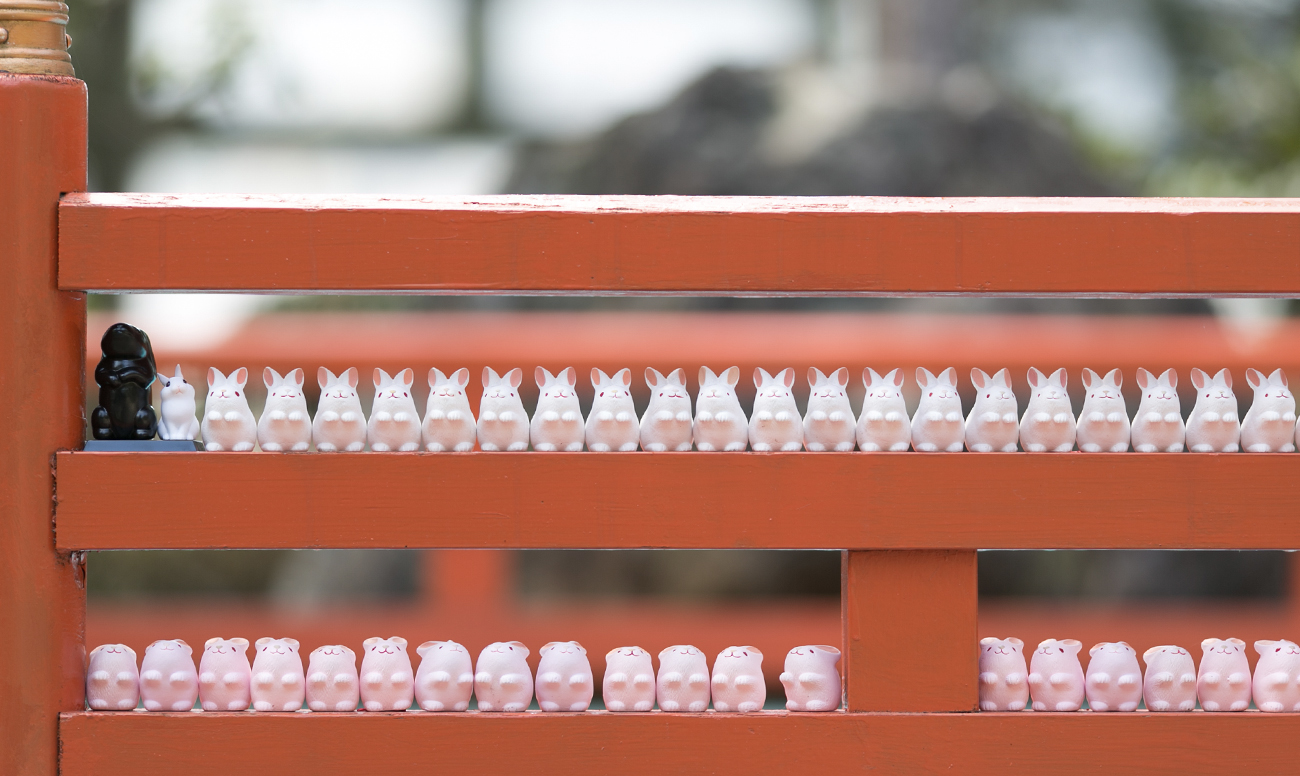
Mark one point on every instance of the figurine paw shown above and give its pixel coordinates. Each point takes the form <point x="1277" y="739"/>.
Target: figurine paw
<point x="1210" y="417"/>
<point x="400" y="417"/>
<point x="616" y="705"/>
<point x="1062" y="417"/>
<point x="1090" y="447"/>
<point x="927" y="447"/>
<point x="643" y="706"/>
<point x="1164" y="677"/>
<point x="379" y="447"/>
<point x="643" y="681"/>
<point x="1160" y="706"/>
<point x="791" y="447"/>
<point x="1042" y="417"/>
<point x="1096" y="417"/>
<point x="1257" y="448"/>
<point x="212" y="447"/>
<point x="517" y="446"/>
<point x="324" y="447"/>
<point x="761" y="447"/>
<point x="733" y="447"/>
<point x="272" y="447"/>
<point x="1032" y="448"/>
<point x="718" y="706"/>
<point x="697" y="680"/>
<point x="1067" y="706"/>
<point x="125" y="703"/>
<point x="1145" y="448"/>
<point x="152" y="706"/>
<point x="763" y="416"/>
<point x="1065" y="448"/>
<point x="207" y="677"/>
<point x="955" y="447"/>
<point x="355" y="447"/>
<point x="432" y="705"/>
<point x="844" y="447"/>
<point x="669" y="705"/>
<point x="1202" y="448"/>
<point x="214" y="415"/>
<point x="408" y="447"/>
<point x="1101" y="679"/>
<point x="182" y="706"/>
<point x="464" y="447"/>
<point x="656" y="447"/>
<point x="544" y="447"/>
<point x="747" y="707"/>
<point x="317" y="706"/>
<point x="179" y="678"/>
<point x="782" y="417"/>
<point x="988" y="677"/>
<point x="673" y="678"/>
<point x="1098" y="706"/>
<point x="599" y="447"/>
<point x="550" y="678"/>
<point x="350" y="416"/>
<point x="514" y="707"/>
<point x="125" y="677"/>
<point x="818" y="706"/>
<point x="817" y="416"/>
<point x="627" y="447"/>
<point x="273" y="415"/>
<point x="623" y="417"/>
<point x="374" y="706"/>
<point x="873" y="415"/>
<point x="816" y="447"/>
<point x="1270" y="706"/>
<point x="1060" y="678"/>
<point x="99" y="677"/>
<point x="296" y="416"/>
<point x="1239" y="706"/>
<point x="1210" y="705"/>
<point x="605" y="415"/>
<point x="1237" y="678"/>
<point x="953" y="417"/>
<point x="698" y="706"/>
<point x="151" y="677"/>
<point x="1173" y="417"/>
<point x="705" y="447"/>
<point x="683" y="417"/>
<point x="981" y="448"/>
<point x="899" y="447"/>
<point x="1122" y="447"/>
<point x="578" y="707"/>
<point x="704" y="417"/>
<point x="1014" y="680"/>
<point x="549" y="706"/>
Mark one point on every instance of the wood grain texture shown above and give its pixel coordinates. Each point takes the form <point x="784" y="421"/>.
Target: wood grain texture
<point x="684" y="500"/>
<point x="97" y="744"/>
<point x="681" y="245"/>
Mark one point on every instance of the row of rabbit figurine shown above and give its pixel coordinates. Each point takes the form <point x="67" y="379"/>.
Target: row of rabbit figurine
<point x="1055" y="679"/>
<point x="275" y="681"/>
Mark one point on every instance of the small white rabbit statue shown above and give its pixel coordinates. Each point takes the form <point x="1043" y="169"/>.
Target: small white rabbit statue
<point x="1103" y="422"/>
<point x="502" y="419"/>
<point x="720" y="423"/>
<point x="1213" y="426"/>
<point x="991" y="424"/>
<point x="612" y="422"/>
<point x="829" y="423"/>
<point x="340" y="423"/>
<point x="394" y="421"/>
<point x="937" y="424"/>
<point x="666" y="424"/>
<point x="179" y="418"/>
<point x="557" y="421"/>
<point x="1048" y="424"/>
<point x="228" y="423"/>
<point x="448" y="420"/>
<point x="1158" y="424"/>
<point x="285" y="423"/>
<point x="1270" y="424"/>
<point x="775" y="424"/>
<point x="883" y="424"/>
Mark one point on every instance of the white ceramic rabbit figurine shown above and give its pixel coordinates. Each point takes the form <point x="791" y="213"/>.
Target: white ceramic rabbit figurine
<point x="666" y="424"/>
<point x="285" y="423"/>
<point x="1103" y="421"/>
<point x="883" y="424"/>
<point x="1270" y="424"/>
<point x="340" y="423"/>
<point x="1048" y="424"/>
<point x="502" y="419"/>
<point x="991" y="424"/>
<point x="720" y="423"/>
<point x="557" y="421"/>
<point x="1158" y="424"/>
<point x="228" y="423"/>
<point x="179" y="419"/>
<point x="394" y="421"/>
<point x="828" y="424"/>
<point x="937" y="424"/>
<point x="448" y="420"/>
<point x="612" y="423"/>
<point x="1213" y="426"/>
<point x="775" y="424"/>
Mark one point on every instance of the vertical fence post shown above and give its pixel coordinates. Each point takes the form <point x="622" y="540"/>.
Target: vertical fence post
<point x="910" y="630"/>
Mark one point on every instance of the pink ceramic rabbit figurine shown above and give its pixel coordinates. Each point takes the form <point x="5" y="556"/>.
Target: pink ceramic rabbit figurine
<point x="629" y="680"/>
<point x="612" y="423"/>
<point x="1223" y="682"/>
<point x="277" y="676"/>
<point x="1170" y="682"/>
<point x="178" y="419"/>
<point x="557" y="421"/>
<point x="720" y="423"/>
<point x="112" y="679"/>
<point x="168" y="681"/>
<point x="332" y="680"/>
<point x="445" y="680"/>
<point x="1158" y="424"/>
<point x="1004" y="680"/>
<point x="502" y="680"/>
<point x="937" y="424"/>
<point x="1114" y="681"/>
<point x="394" y="421"/>
<point x="564" y="680"/>
<point x="883" y="424"/>
<point x="1055" y="675"/>
<point x="738" y="680"/>
<point x="991" y="424"/>
<point x="828" y="424"/>
<point x="666" y="424"/>
<point x="775" y="424"/>
<point x="448" y="420"/>
<point x="285" y="423"/>
<point x="1276" y="686"/>
<point x="387" y="681"/>
<point x="1212" y="427"/>
<point x="1103" y="422"/>
<point x="502" y="420"/>
<point x="1270" y="424"/>
<point x="1048" y="424"/>
<point x="225" y="678"/>
<point x="228" y="423"/>
<point x="340" y="423"/>
<point x="683" y="681"/>
<point x="810" y="678"/>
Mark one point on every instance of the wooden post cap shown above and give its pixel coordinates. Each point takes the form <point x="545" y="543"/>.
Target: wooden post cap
<point x="33" y="37"/>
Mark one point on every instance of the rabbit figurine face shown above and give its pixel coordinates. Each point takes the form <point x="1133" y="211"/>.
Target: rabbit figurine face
<point x="1170" y="680"/>
<point x="629" y="680"/>
<point x="1114" y="680"/>
<point x="937" y="425"/>
<point x="991" y="424"/>
<point x="720" y="423"/>
<point x="112" y="679"/>
<point x="1103" y="425"/>
<point x="445" y="680"/>
<point x="1276" y="686"/>
<point x="666" y="424"/>
<point x="332" y="680"/>
<point x="883" y="424"/>
<point x="1270" y="424"/>
<point x="1223" y="683"/>
<point x="179" y="420"/>
<point x="1158" y="425"/>
<point x="502" y="420"/>
<point x="285" y="423"/>
<point x="228" y="423"/>
<point x="340" y="423"/>
<point x="829" y="423"/>
<point x="1212" y="427"/>
<point x="775" y="424"/>
<point x="557" y="422"/>
<point x="810" y="678"/>
<point x="1056" y="676"/>
<point x="394" y="421"/>
<point x="224" y="675"/>
<point x="1048" y="425"/>
<point x="448" y="420"/>
<point x="564" y="678"/>
<point x="612" y="424"/>
<point x="1004" y="680"/>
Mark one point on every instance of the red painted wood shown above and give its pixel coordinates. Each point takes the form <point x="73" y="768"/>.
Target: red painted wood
<point x="681" y="245"/>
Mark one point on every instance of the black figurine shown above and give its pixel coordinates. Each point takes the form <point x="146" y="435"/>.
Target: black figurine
<point x="125" y="375"/>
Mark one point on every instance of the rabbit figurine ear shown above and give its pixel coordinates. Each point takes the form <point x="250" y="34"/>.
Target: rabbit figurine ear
<point x="1061" y="377"/>
<point x="841" y="376"/>
<point x="516" y="377"/>
<point x="653" y="379"/>
<point x="262" y="642"/>
<point x="570" y="376"/>
<point x="489" y="376"/>
<point x="240" y="642"/>
<point x="1003" y="377"/>
<point x="815" y="376"/>
<point x="706" y="375"/>
<point x="1036" y="378"/>
<point x="371" y="642"/>
<point x="324" y="377"/>
<point x="678" y="376"/>
<point x="1254" y="378"/>
<point x="435" y="376"/>
<point x="787" y="377"/>
<point x="1225" y="376"/>
<point x="1171" y="377"/>
<point x="1090" y="378"/>
<point x="1115" y="377"/>
<point x="978" y="378"/>
<point x="761" y="377"/>
<point x="923" y="377"/>
<point x="1199" y="379"/>
<point x="406" y="377"/>
<point x="869" y="377"/>
<point x="949" y="376"/>
<point x="542" y="376"/>
<point x="270" y="377"/>
<point x="1278" y="376"/>
<point x="1145" y="379"/>
<point x="240" y="376"/>
<point x="732" y="376"/>
<point x="598" y="377"/>
<point x="895" y="376"/>
<point x="624" y="376"/>
<point x="425" y="647"/>
<point x="381" y="378"/>
<point x="298" y="376"/>
<point x="461" y="377"/>
<point x="214" y="376"/>
<point x="353" y="376"/>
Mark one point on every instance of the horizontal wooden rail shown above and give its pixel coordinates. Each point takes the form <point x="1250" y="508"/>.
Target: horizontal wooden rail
<point x="97" y="744"/>
<point x="681" y="245"/>
<point x="684" y="500"/>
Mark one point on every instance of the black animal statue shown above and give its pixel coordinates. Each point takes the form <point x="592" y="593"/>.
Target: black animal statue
<point x="125" y="375"/>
